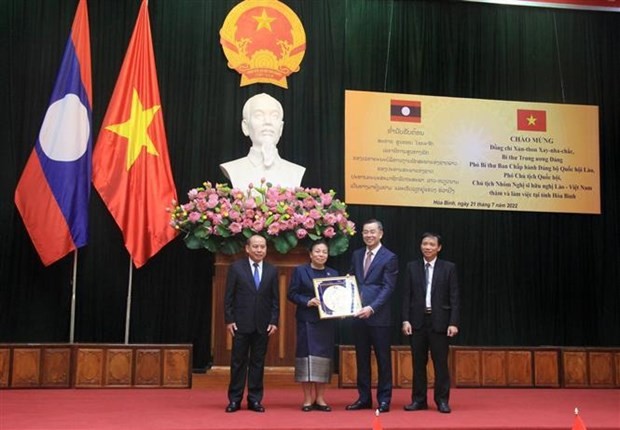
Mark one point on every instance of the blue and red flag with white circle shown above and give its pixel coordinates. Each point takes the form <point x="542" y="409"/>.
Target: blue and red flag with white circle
<point x="53" y="192"/>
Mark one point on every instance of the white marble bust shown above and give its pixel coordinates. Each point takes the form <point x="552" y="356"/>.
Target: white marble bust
<point x="263" y="121"/>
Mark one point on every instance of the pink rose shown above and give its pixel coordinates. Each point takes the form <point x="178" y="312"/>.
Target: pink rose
<point x="298" y="218"/>
<point x="213" y="200"/>
<point x="201" y="204"/>
<point x="309" y="223"/>
<point x="326" y="199"/>
<point x="314" y="214"/>
<point x="272" y="194"/>
<point x="329" y="232"/>
<point x="235" y="227"/>
<point x="309" y="202"/>
<point x="234" y="215"/>
<point x="273" y="229"/>
<point x="216" y="219"/>
<point x="329" y="219"/>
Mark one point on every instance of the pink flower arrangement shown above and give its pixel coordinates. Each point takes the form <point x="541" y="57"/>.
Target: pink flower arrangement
<point x="220" y="218"/>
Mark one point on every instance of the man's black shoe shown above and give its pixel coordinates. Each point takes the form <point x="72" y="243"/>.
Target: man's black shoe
<point x="443" y="408"/>
<point x="416" y="406"/>
<point x="384" y="407"/>
<point x="358" y="405"/>
<point x="256" y="407"/>
<point x="233" y="407"/>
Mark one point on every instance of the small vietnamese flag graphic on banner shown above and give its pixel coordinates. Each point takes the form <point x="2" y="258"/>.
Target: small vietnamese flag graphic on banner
<point x="131" y="167"/>
<point x="531" y="120"/>
<point x="53" y="191"/>
<point x="405" y="110"/>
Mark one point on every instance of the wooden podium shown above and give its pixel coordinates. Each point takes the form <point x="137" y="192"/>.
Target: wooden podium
<point x="281" y="349"/>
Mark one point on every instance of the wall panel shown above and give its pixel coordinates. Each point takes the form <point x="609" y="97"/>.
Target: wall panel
<point x="95" y="366"/>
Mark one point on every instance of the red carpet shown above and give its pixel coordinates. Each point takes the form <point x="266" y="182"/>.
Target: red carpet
<point x="193" y="409"/>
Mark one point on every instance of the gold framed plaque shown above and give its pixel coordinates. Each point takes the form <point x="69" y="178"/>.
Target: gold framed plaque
<point x="339" y="296"/>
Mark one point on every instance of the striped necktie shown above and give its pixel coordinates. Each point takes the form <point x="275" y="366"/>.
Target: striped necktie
<point x="367" y="262"/>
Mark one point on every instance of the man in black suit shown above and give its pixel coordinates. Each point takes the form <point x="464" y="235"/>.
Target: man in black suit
<point x="376" y="269"/>
<point x="431" y="318"/>
<point x="251" y="306"/>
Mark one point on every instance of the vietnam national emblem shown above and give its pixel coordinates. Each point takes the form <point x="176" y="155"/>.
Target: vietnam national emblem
<point x="264" y="41"/>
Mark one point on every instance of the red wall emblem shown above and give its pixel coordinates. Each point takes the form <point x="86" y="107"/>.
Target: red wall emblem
<point x="264" y="41"/>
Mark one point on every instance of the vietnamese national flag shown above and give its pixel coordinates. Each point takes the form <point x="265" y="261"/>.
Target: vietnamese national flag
<point x="531" y="120"/>
<point x="578" y="423"/>
<point x="405" y="110"/>
<point x="376" y="423"/>
<point x="131" y="167"/>
<point x="53" y="192"/>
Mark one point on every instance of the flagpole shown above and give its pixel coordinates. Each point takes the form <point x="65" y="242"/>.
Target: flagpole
<point x="73" y="290"/>
<point x="128" y="312"/>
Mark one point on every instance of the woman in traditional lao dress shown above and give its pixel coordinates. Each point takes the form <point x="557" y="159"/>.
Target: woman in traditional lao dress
<point x="315" y="336"/>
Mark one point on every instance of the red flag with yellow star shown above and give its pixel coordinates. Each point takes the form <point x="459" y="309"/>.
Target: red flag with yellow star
<point x="531" y="120"/>
<point x="578" y="423"/>
<point x="131" y="167"/>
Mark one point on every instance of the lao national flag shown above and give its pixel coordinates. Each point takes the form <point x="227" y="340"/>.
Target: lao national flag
<point x="53" y="191"/>
<point x="405" y="110"/>
<point x="531" y="120"/>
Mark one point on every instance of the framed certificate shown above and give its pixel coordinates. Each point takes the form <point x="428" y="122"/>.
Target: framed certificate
<point x="339" y="296"/>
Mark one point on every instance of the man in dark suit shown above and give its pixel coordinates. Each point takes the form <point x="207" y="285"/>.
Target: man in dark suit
<point x="431" y="318"/>
<point x="376" y="269"/>
<point x="251" y="306"/>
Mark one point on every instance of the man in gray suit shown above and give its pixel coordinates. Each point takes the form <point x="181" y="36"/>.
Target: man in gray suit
<point x="251" y="312"/>
<point x="431" y="318"/>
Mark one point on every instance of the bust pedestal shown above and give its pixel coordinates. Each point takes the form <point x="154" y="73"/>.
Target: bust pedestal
<point x="281" y="349"/>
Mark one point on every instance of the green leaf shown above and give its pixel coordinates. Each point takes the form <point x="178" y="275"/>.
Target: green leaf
<point x="231" y="247"/>
<point x="192" y="242"/>
<point x="338" y="244"/>
<point x="291" y="238"/>
<point x="210" y="244"/>
<point x="200" y="233"/>
<point x="223" y="231"/>
<point x="313" y="236"/>
<point x="281" y="244"/>
<point x="338" y="205"/>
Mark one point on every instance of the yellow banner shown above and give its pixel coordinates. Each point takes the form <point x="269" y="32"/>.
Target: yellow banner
<point x="411" y="150"/>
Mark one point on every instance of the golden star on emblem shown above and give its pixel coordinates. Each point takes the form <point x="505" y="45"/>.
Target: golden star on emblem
<point x="264" y="21"/>
<point x="135" y="129"/>
<point x="531" y="120"/>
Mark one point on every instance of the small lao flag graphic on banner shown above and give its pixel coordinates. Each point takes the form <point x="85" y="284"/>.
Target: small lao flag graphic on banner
<point x="531" y="120"/>
<point x="405" y="110"/>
